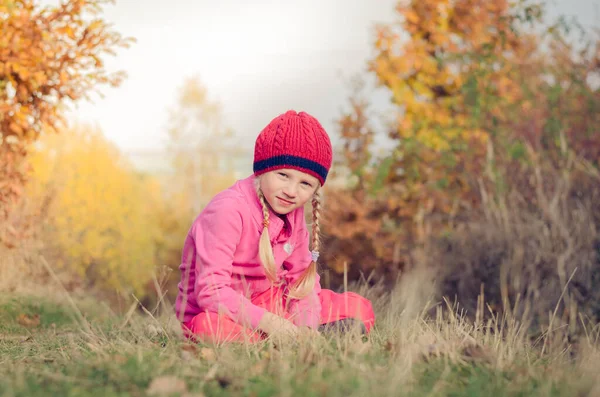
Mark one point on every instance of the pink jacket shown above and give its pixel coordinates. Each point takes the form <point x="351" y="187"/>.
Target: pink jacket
<point x="220" y="267"/>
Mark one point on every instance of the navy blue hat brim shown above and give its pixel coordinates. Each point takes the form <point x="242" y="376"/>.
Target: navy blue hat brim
<point x="294" y="161"/>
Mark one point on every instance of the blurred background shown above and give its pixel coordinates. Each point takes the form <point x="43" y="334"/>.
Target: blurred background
<point x="466" y="138"/>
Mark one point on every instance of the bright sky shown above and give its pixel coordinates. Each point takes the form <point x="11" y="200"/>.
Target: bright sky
<point x="258" y="58"/>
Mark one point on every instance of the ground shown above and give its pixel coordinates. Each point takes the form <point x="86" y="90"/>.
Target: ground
<point x="62" y="347"/>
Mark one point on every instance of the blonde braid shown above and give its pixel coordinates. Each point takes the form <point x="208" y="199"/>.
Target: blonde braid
<point x="305" y="284"/>
<point x="265" y="251"/>
<point x="316" y="229"/>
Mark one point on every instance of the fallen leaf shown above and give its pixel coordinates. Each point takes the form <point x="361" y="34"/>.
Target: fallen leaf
<point x="28" y="321"/>
<point x="166" y="385"/>
<point x="189" y="352"/>
<point x="190" y="348"/>
<point x="208" y="354"/>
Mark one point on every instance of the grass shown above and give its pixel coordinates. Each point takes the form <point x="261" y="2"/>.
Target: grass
<point x="50" y="347"/>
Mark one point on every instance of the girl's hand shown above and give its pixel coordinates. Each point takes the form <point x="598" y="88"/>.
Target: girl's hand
<point x="273" y="324"/>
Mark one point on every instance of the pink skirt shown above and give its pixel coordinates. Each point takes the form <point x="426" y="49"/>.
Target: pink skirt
<point x="210" y="326"/>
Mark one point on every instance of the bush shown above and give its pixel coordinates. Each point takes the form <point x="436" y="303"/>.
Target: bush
<point x="100" y="217"/>
<point x="528" y="259"/>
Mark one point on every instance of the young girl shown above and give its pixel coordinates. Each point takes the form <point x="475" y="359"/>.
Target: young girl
<point x="247" y="270"/>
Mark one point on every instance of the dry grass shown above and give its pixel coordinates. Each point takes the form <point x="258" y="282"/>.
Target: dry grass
<point x="535" y="247"/>
<point x="60" y="344"/>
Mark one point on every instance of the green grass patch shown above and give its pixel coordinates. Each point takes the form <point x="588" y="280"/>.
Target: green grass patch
<point x="139" y="359"/>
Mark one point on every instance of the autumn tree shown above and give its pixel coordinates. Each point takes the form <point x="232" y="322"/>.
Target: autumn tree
<point x="463" y="74"/>
<point x="202" y="149"/>
<point x="50" y="57"/>
<point x="452" y="79"/>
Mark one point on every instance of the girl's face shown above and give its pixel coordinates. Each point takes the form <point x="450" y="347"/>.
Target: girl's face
<point x="287" y="189"/>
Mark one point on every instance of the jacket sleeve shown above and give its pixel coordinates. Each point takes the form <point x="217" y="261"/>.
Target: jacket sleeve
<point x="217" y="233"/>
<point x="306" y="311"/>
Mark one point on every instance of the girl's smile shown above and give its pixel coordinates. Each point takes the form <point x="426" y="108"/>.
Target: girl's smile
<point x="285" y="202"/>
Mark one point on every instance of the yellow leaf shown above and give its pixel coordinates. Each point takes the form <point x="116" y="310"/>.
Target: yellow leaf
<point x="14" y="127"/>
<point x="208" y="354"/>
<point x="29" y="321"/>
<point x="410" y="15"/>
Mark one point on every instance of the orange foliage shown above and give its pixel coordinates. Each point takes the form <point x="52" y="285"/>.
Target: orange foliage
<point x="49" y="56"/>
<point x="435" y="79"/>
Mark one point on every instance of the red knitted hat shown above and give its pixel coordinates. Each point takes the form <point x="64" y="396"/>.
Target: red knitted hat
<point x="293" y="140"/>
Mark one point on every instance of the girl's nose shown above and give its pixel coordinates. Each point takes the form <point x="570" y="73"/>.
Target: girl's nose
<point x="290" y="190"/>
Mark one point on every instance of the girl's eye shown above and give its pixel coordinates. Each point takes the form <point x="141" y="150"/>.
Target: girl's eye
<point x="282" y="174"/>
<point x="306" y="184"/>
